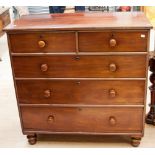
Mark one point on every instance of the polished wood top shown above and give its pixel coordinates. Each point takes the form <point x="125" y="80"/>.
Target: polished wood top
<point x="81" y="21"/>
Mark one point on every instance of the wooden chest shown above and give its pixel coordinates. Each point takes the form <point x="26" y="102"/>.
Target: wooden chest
<point x="81" y="73"/>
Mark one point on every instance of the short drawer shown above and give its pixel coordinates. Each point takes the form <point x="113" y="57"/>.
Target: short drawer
<point x="117" y="41"/>
<point x="87" y="92"/>
<point x="42" y="42"/>
<point x="83" y="119"/>
<point x="80" y="66"/>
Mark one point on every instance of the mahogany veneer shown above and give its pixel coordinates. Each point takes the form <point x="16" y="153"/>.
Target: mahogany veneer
<point x="53" y="42"/>
<point x="87" y="119"/>
<point x="89" y="92"/>
<point x="91" y="66"/>
<point x="127" y="41"/>
<point x="81" y="73"/>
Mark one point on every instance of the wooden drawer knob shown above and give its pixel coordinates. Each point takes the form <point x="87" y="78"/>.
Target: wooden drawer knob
<point x="112" y="93"/>
<point x="41" y="43"/>
<point x="112" y="42"/>
<point x="112" y="120"/>
<point x="50" y="119"/>
<point x="44" y="67"/>
<point x="112" y="67"/>
<point x="47" y="93"/>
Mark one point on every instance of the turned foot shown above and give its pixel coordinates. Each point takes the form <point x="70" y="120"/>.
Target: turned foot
<point x="32" y="139"/>
<point x="135" y="141"/>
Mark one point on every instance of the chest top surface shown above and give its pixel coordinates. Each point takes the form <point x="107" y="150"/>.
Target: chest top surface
<point x="81" y="21"/>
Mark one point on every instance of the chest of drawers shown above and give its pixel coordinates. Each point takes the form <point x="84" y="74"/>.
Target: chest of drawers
<point x="80" y="73"/>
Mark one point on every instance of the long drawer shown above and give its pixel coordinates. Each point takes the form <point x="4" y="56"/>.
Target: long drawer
<point x="80" y="66"/>
<point x="42" y="42"/>
<point x="88" y="92"/>
<point x="101" y="120"/>
<point x="117" y="41"/>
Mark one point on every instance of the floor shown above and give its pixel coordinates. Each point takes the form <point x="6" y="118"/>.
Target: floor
<point x="10" y="129"/>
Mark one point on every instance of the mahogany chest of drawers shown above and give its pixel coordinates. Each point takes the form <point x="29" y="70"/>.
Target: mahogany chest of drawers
<point x="83" y="73"/>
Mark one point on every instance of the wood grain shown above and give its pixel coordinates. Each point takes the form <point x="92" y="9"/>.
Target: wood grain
<point x="80" y="66"/>
<point x="87" y="92"/>
<point x="126" y="41"/>
<point x="82" y="119"/>
<point x="81" y="21"/>
<point x="28" y="42"/>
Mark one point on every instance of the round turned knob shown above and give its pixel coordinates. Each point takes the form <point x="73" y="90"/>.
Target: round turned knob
<point x="112" y="67"/>
<point x="41" y="43"/>
<point x="50" y="119"/>
<point x="44" y="67"/>
<point x="112" y="93"/>
<point x="112" y="120"/>
<point x="47" y="93"/>
<point x="112" y="42"/>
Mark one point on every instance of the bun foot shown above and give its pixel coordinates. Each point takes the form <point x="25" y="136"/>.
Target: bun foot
<point x="32" y="139"/>
<point x="135" y="141"/>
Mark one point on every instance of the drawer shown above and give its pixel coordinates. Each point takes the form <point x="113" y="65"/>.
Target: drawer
<point x="42" y="42"/>
<point x="73" y="119"/>
<point x="88" y="92"/>
<point x="80" y="66"/>
<point x="117" y="41"/>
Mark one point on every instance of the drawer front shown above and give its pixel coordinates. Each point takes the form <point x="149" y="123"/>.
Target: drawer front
<point x="82" y="119"/>
<point x="113" y="41"/>
<point x="42" y="42"/>
<point x="80" y="66"/>
<point x="86" y="92"/>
